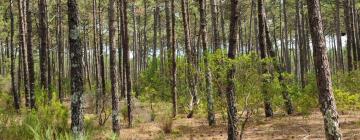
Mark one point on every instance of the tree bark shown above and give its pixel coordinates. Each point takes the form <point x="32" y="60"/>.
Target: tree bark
<point x="101" y="61"/>
<point x="23" y="51"/>
<point x="12" y="60"/>
<point x="59" y="38"/>
<point x="208" y="82"/>
<point x="30" y="55"/>
<point x="126" y="60"/>
<point x="349" y="33"/>
<point x="323" y="75"/>
<point x="76" y="74"/>
<point x="262" y="45"/>
<point x="286" y="47"/>
<point x="173" y="59"/>
<point x="214" y="24"/>
<point x="340" y="62"/>
<point x="43" y="44"/>
<point x="113" y="74"/>
<point x="230" y="89"/>
<point x="191" y="69"/>
<point x="155" y="41"/>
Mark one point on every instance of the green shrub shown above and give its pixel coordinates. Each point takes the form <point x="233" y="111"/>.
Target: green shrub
<point x="346" y="100"/>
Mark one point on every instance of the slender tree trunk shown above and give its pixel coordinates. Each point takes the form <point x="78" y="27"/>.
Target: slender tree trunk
<point x="96" y="61"/>
<point x="323" y="75"/>
<point x="250" y="43"/>
<point x="2" y="67"/>
<point x="353" y="29"/>
<point x="12" y="60"/>
<point x="262" y="45"/>
<point x="59" y="43"/>
<point x="356" y="33"/>
<point x="214" y="24"/>
<point x="340" y="62"/>
<point x="156" y="14"/>
<point x="208" y="90"/>
<point x="30" y="55"/>
<point x="126" y="60"/>
<point x="230" y="89"/>
<point x="135" y="52"/>
<point x="145" y="34"/>
<point x="43" y="44"/>
<point x="191" y="69"/>
<point x="278" y="68"/>
<point x="101" y="59"/>
<point x="122" y="76"/>
<point x="77" y="88"/>
<point x="222" y="23"/>
<point x="349" y="33"/>
<point x="20" y="74"/>
<point x="168" y="37"/>
<point x="302" y="46"/>
<point x="113" y="74"/>
<point x="22" y="43"/>
<point x="173" y="59"/>
<point x="286" y="47"/>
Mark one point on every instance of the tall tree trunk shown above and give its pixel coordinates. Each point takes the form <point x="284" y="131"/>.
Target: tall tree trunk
<point x="12" y="59"/>
<point x="22" y="43"/>
<point x="323" y="75"/>
<point x="77" y="88"/>
<point x="214" y="24"/>
<point x="168" y="37"/>
<point x="278" y="68"/>
<point x="349" y="33"/>
<point x="208" y="82"/>
<point x="340" y="63"/>
<point x="191" y="69"/>
<point x="113" y="74"/>
<point x="356" y="33"/>
<point x="101" y="61"/>
<point x="286" y="47"/>
<point x="20" y="74"/>
<point x="122" y="76"/>
<point x="230" y="89"/>
<point x="222" y="23"/>
<point x="96" y="57"/>
<point x="59" y="38"/>
<point x="353" y="29"/>
<point x="30" y="55"/>
<point x="43" y="44"/>
<point x="145" y="53"/>
<point x="156" y="14"/>
<point x="262" y="45"/>
<point x="173" y="59"/>
<point x="302" y="44"/>
<point x="126" y="58"/>
<point x="250" y="43"/>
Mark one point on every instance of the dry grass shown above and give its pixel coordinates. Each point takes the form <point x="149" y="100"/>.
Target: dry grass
<point x="167" y="125"/>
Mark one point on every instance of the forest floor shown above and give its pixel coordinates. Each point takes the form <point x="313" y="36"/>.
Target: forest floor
<point x="279" y="127"/>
